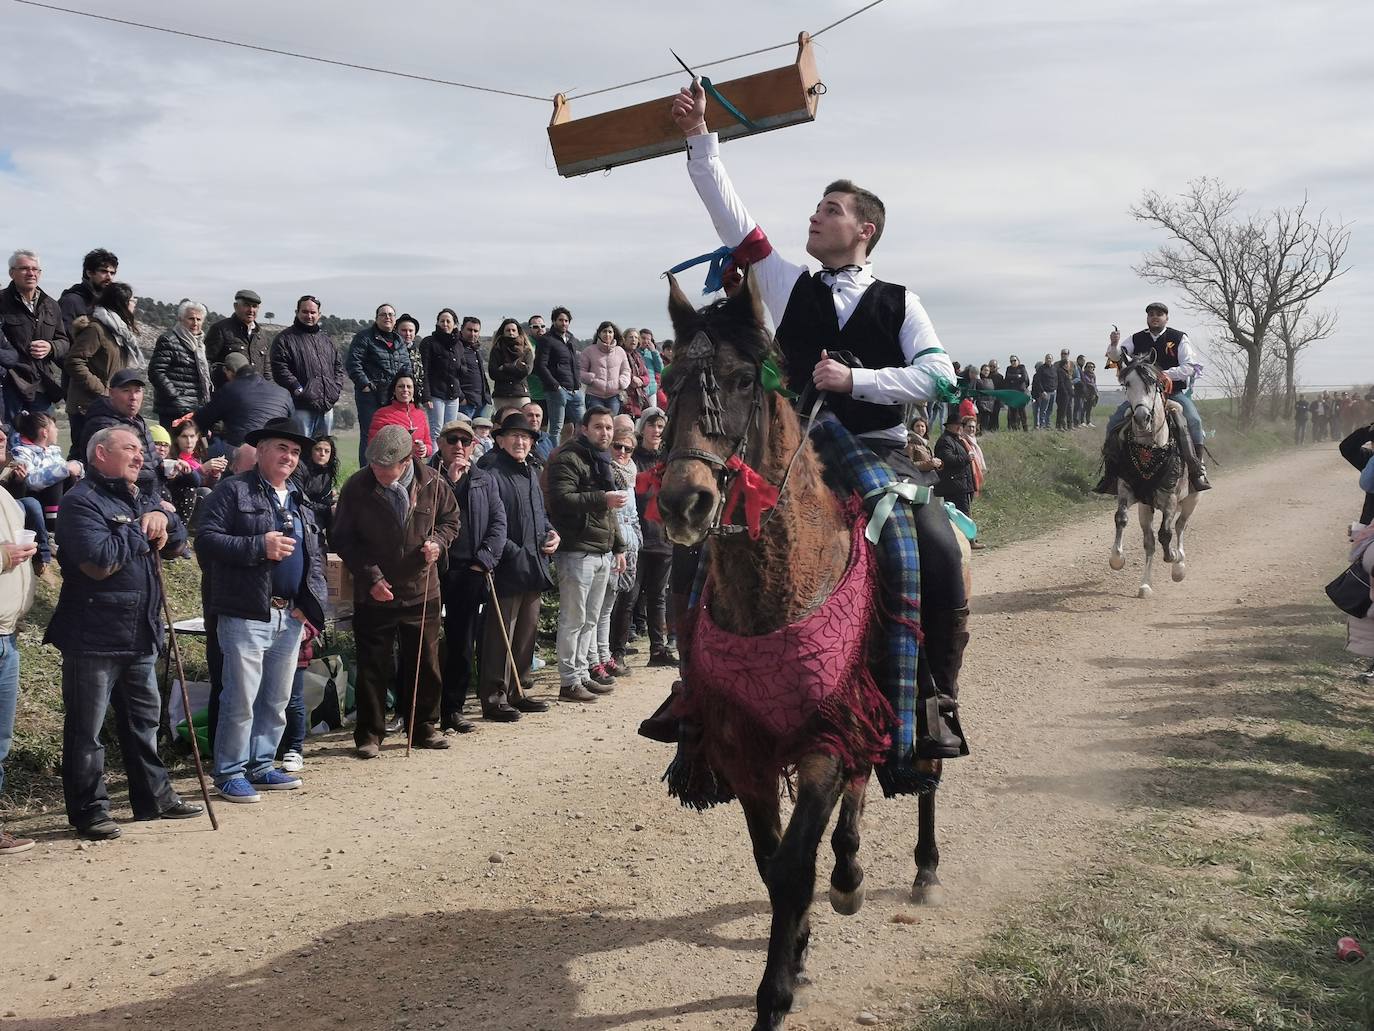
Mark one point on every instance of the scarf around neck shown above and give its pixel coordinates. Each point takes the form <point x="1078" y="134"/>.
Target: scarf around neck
<point x="120" y="330"/>
<point x="600" y="462"/>
<point x="196" y="343"/>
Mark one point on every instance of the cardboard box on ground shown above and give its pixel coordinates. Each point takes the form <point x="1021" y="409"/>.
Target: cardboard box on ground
<point x="339" y="581"/>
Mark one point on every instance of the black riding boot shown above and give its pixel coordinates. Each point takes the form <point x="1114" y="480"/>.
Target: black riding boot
<point x="1197" y="472"/>
<point x="1111" y="455"/>
<point x="938" y="733"/>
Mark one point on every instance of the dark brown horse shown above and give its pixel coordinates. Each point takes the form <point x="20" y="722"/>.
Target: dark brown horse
<point x="719" y="408"/>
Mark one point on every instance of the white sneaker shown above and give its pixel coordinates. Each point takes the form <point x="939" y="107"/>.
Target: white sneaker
<point x="293" y="762"/>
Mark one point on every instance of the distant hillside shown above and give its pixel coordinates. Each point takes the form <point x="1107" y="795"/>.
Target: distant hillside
<point x="162" y="315"/>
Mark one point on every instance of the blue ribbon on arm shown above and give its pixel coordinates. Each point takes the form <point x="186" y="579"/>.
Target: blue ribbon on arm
<point x="715" y="275"/>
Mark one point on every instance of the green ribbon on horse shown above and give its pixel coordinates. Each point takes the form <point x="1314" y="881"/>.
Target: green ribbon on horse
<point x="771" y="379"/>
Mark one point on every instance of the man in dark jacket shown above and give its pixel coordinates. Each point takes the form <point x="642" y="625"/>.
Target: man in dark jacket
<point x="98" y="270"/>
<point x="1044" y="384"/>
<point x="476" y="389"/>
<point x="582" y="497"/>
<point x="396" y="518"/>
<point x="1017" y="377"/>
<point x="239" y="333"/>
<point x="35" y="340"/>
<point x="472" y="556"/>
<point x="656" y="554"/>
<point x="543" y="443"/>
<point x="1063" y="396"/>
<point x="520" y="577"/>
<point x="956" y="483"/>
<point x="306" y="362"/>
<point x="555" y="363"/>
<point x="262" y="543"/>
<point x="108" y="626"/>
<point x="245" y="403"/>
<point x="121" y="407"/>
<point x="375" y="356"/>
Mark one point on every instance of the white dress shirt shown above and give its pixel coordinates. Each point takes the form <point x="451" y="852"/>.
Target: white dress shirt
<point x="1188" y="367"/>
<point x="775" y="277"/>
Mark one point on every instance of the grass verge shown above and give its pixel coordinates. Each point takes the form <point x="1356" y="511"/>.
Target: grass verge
<point x="1221" y="907"/>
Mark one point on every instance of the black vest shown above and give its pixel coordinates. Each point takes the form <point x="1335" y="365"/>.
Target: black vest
<point x="1165" y="348"/>
<point x="872" y="334"/>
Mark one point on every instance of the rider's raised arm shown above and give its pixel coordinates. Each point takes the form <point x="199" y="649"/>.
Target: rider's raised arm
<point x="927" y="364"/>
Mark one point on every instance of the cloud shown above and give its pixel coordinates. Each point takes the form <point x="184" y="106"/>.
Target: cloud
<point x="1008" y="142"/>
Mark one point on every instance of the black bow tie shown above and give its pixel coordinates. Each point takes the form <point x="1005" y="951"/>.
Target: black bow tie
<point x="828" y="271"/>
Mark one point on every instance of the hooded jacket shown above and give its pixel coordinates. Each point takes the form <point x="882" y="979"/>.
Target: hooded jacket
<point x="94" y="357"/>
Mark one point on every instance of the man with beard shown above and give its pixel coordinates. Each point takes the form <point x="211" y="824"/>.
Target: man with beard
<point x="98" y="269"/>
<point x="306" y="362"/>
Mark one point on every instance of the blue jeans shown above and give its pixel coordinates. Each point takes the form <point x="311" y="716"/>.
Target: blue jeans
<point x="34" y="520"/>
<point x="293" y="737"/>
<point x="442" y="412"/>
<point x="574" y="404"/>
<point x="90" y="685"/>
<point x="259" y="665"/>
<point x="1190" y="415"/>
<point x="582" y="584"/>
<point x="315" y="424"/>
<point x="1044" y="407"/>
<point x="9" y="697"/>
<point x="554" y="402"/>
<point x="366" y="402"/>
<point x="612" y="403"/>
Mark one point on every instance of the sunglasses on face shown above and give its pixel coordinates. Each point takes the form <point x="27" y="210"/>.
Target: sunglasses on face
<point x="457" y="438"/>
<point x="624" y="449"/>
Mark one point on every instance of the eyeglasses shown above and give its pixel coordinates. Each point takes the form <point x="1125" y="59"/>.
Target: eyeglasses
<point x="27" y="270"/>
<point x="457" y="438"/>
<point x="624" y="449"/>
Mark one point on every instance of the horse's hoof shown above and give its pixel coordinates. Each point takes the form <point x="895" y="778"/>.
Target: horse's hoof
<point x="1144" y="591"/>
<point x="927" y="894"/>
<point x="1180" y="571"/>
<point x="1117" y="562"/>
<point x="847" y="903"/>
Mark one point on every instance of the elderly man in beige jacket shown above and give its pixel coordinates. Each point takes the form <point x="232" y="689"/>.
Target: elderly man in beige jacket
<point x="16" y="595"/>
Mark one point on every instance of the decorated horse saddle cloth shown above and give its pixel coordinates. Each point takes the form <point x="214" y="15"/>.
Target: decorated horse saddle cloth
<point x="780" y="681"/>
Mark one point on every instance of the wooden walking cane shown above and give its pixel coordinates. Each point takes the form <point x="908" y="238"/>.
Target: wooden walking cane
<point x="424" y="609"/>
<point x="505" y="636"/>
<point x="185" y="695"/>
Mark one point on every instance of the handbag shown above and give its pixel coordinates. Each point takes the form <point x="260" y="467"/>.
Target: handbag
<point x="1349" y="592"/>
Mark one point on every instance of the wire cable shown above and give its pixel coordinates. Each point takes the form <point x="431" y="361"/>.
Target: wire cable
<point x="283" y="53"/>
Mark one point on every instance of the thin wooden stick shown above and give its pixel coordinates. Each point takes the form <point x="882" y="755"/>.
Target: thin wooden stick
<point x="505" y="636"/>
<point x="185" y="695"/>
<point x="424" y="610"/>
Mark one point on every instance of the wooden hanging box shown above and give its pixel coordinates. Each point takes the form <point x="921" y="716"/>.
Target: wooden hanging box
<point x="771" y="100"/>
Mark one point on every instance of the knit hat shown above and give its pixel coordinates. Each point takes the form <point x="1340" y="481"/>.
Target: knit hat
<point x="160" y="434"/>
<point x="392" y="444"/>
<point x="643" y="420"/>
<point x="967" y="409"/>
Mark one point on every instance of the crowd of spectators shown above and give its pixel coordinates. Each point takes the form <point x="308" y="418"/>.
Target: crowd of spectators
<point x="462" y="507"/>
<point x="1331" y="414"/>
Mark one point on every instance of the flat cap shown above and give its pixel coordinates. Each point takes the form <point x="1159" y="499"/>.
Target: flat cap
<point x="128" y="377"/>
<point x="392" y="444"/>
<point x="236" y="361"/>
<point x="462" y="424"/>
<point x="1158" y="306"/>
<point x="248" y="297"/>
<point x="484" y="422"/>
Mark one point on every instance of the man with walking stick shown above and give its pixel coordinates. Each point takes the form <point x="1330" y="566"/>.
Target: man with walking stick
<point x="108" y="627"/>
<point x="395" y="520"/>
<point x="259" y="538"/>
<point x="513" y="588"/>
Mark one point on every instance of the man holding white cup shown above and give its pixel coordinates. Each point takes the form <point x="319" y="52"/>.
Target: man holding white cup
<point x="17" y="549"/>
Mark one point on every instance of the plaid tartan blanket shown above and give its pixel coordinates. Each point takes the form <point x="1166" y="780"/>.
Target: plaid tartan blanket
<point x="851" y="468"/>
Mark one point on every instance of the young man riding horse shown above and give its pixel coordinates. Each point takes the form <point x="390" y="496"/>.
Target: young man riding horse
<point x="898" y="361"/>
<point x="1177" y="360"/>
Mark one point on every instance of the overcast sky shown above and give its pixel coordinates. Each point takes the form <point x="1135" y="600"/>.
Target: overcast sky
<point x="1007" y="140"/>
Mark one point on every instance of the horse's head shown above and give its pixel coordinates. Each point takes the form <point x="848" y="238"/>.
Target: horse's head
<point x="1139" y="379"/>
<point x="717" y="407"/>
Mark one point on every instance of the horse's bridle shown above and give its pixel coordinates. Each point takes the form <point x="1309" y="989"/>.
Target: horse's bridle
<point x="1158" y="390"/>
<point x="697" y="355"/>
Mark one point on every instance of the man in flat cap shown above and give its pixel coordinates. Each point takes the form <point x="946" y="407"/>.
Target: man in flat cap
<point x="1177" y="360"/>
<point x="239" y="332"/>
<point x="395" y="520"/>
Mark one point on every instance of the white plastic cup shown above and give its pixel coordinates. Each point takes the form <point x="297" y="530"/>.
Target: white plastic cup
<point x="27" y="537"/>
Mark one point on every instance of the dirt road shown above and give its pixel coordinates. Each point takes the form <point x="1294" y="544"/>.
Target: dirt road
<point x="537" y="875"/>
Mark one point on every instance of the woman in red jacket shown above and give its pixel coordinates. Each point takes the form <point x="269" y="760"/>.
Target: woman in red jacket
<point x="403" y="411"/>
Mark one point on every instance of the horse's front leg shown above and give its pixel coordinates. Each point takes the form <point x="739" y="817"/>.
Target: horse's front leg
<point x="847" y="879"/>
<point x="1123" y="503"/>
<point x="1185" y="509"/>
<point x="926" y="889"/>
<point x="1167" y="513"/>
<point x="763" y="818"/>
<point x="1147" y="515"/>
<point x="791" y="880"/>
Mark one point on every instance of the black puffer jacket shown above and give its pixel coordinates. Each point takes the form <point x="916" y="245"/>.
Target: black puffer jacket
<point x="306" y="362"/>
<point x="101" y="415"/>
<point x="555" y="362"/>
<point x="374" y="358"/>
<point x="231" y="536"/>
<point x="956" y="474"/>
<point x="175" y="373"/>
<point x="476" y="390"/>
<point x="443" y="360"/>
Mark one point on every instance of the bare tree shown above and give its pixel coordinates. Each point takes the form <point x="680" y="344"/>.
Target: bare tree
<point x="1229" y="368"/>
<point x="1241" y="270"/>
<point x="1295" y="330"/>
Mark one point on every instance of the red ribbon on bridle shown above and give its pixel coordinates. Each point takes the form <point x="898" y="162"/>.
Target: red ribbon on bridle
<point x="746" y="486"/>
<point x="650" y="482"/>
